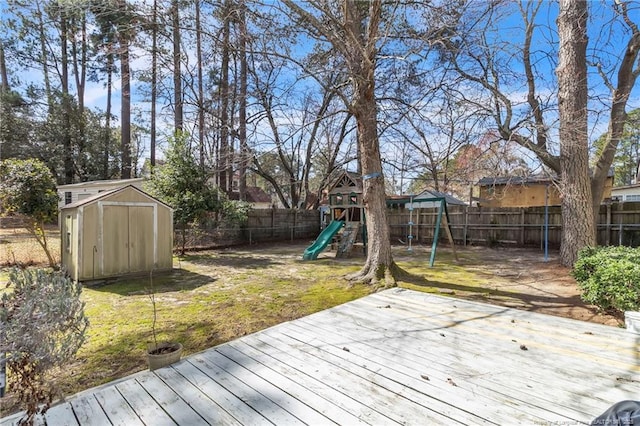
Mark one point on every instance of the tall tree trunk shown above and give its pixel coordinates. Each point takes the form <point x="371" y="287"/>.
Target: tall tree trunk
<point x="242" y="112"/>
<point x="223" y="159"/>
<point x="42" y="38"/>
<point x="80" y="74"/>
<point x="125" y="107"/>
<point x="4" y="76"/>
<point x="80" y="61"/>
<point x="361" y="60"/>
<point x="107" y="124"/>
<point x="578" y="223"/>
<point x="200" y="86"/>
<point x="177" y="73"/>
<point x="154" y="82"/>
<point x="67" y="149"/>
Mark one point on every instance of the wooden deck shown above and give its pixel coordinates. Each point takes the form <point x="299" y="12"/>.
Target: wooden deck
<point x="396" y="357"/>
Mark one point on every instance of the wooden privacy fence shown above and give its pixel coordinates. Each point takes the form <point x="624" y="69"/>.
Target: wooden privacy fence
<point x="618" y="224"/>
<point x="262" y="226"/>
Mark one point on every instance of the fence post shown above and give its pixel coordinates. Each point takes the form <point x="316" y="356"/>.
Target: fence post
<point x="273" y="219"/>
<point x="466" y="225"/>
<point x="608" y="226"/>
<point x="620" y="232"/>
<point x="522" y="226"/>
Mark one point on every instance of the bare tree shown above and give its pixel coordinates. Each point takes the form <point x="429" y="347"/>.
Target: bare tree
<point x="627" y="75"/>
<point x="574" y="141"/>
<point x="481" y="52"/>
<point x="354" y="33"/>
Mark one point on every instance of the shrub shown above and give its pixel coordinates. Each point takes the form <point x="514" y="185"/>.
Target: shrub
<point x="42" y="326"/>
<point x="609" y="277"/>
<point x="28" y="189"/>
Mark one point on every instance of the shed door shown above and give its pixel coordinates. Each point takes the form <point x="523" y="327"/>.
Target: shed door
<point x="140" y="238"/>
<point x="127" y="239"/>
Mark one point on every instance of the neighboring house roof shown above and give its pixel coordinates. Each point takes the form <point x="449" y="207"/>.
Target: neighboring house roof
<point x="515" y="180"/>
<point x="104" y="194"/>
<point x="254" y="194"/>
<point x="622" y="188"/>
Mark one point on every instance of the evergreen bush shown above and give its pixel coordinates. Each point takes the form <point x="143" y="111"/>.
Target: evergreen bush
<point x="609" y="277"/>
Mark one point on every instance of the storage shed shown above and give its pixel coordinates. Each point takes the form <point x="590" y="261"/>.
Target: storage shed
<point x="119" y="232"/>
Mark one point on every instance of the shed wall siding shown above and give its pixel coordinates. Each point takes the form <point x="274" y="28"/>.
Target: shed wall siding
<point x="122" y="233"/>
<point x="88" y="246"/>
<point x="165" y="239"/>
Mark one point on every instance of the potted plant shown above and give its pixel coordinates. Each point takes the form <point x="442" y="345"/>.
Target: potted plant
<point x="164" y="353"/>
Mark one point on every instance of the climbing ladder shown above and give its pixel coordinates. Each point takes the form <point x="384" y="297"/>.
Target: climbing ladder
<point x="349" y="236"/>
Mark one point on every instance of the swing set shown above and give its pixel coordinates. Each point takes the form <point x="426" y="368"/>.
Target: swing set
<point x="442" y="220"/>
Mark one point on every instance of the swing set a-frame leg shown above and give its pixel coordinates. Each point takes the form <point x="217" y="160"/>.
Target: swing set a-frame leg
<point x="436" y="233"/>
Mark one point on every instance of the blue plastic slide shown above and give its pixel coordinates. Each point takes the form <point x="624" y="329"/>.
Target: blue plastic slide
<point x="323" y="240"/>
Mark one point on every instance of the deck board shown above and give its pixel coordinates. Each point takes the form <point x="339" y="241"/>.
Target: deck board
<point x="395" y="357"/>
<point x="87" y="410"/>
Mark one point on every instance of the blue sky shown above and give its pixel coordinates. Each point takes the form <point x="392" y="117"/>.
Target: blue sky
<point x="601" y="34"/>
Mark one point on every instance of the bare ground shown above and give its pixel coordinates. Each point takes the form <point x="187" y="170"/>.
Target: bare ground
<point x="521" y="278"/>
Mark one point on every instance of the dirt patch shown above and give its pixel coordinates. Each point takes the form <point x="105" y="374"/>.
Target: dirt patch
<point x="517" y="278"/>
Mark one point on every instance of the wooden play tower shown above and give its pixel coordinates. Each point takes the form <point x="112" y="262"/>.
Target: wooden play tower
<point x="345" y="204"/>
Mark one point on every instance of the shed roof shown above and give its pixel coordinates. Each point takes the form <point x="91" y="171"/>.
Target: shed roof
<point x="98" y="183"/>
<point x="632" y="186"/>
<point x="107" y="193"/>
<point x="426" y="195"/>
<point x="523" y="180"/>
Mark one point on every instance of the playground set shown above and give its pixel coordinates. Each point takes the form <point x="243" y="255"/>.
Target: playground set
<point x="348" y="225"/>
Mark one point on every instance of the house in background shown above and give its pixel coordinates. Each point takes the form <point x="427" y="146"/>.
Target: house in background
<point x="626" y="193"/>
<point x="255" y="196"/>
<point x="529" y="191"/>
<point x="75" y="192"/>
